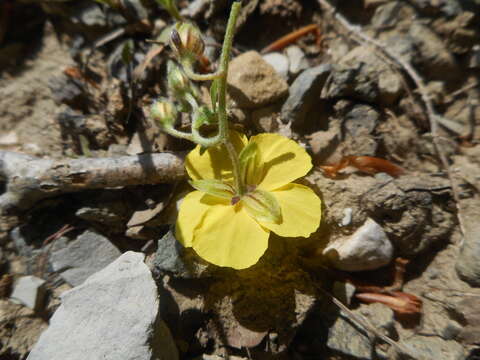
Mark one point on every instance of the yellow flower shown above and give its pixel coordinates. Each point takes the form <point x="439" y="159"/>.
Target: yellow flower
<point x="228" y="230"/>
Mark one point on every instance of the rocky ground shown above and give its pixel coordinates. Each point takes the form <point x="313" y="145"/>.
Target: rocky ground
<point x="393" y="271"/>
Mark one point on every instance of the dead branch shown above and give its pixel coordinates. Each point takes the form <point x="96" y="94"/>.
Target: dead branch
<point x="29" y="179"/>
<point x="398" y="61"/>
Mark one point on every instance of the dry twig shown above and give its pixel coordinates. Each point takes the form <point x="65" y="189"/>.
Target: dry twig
<point x="31" y="179"/>
<point x="399" y="61"/>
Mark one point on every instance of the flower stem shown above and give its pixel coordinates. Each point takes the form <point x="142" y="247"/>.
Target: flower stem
<point x="222" y="81"/>
<point x="222" y="97"/>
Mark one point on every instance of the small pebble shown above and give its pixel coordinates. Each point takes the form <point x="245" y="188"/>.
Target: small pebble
<point x="29" y="291"/>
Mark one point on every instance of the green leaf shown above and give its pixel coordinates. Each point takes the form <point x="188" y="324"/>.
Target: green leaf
<point x="204" y="116"/>
<point x="213" y="187"/>
<point x="263" y="206"/>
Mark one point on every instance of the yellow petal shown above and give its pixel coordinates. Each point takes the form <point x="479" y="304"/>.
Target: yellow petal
<point x="301" y="211"/>
<point x="189" y="216"/>
<point x="228" y="236"/>
<point x="282" y="161"/>
<point x="214" y="163"/>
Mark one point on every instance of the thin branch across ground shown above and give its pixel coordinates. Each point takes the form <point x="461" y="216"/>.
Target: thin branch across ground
<point x="30" y="179"/>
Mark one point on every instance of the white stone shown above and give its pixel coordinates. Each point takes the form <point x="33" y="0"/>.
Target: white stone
<point x="113" y="315"/>
<point x="368" y="248"/>
<point x="279" y="62"/>
<point x="29" y="291"/>
<point x="297" y="59"/>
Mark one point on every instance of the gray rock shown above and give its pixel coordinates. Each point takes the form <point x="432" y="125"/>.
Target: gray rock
<point x="304" y="91"/>
<point x="296" y="57"/>
<point x="367" y="248"/>
<point x="279" y="62"/>
<point x="168" y="257"/>
<point x="424" y="347"/>
<point x="363" y="75"/>
<point x="358" y="119"/>
<point x="84" y="256"/>
<point x="254" y="83"/>
<point x="29" y="291"/>
<point x="112" y="315"/>
<point x="347" y="338"/>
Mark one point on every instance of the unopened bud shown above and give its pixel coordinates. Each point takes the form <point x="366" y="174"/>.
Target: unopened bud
<point x="178" y="82"/>
<point x="164" y="112"/>
<point x="187" y="41"/>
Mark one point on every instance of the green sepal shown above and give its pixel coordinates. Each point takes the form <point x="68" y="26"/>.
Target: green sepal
<point x="213" y="187"/>
<point x="248" y="159"/>
<point x="262" y="206"/>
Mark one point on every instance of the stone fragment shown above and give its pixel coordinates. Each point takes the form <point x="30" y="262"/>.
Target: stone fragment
<point x="296" y="57"/>
<point x="253" y="83"/>
<point x="346" y="337"/>
<point x="368" y="248"/>
<point x="343" y="291"/>
<point x="113" y="315"/>
<point x="84" y="256"/>
<point x="429" y="347"/>
<point x="168" y="257"/>
<point x="304" y="91"/>
<point x="474" y="62"/>
<point x="29" y="291"/>
<point x="279" y="62"/>
<point x="361" y="74"/>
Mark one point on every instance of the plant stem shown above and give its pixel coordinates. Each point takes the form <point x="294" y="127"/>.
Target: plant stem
<point x="222" y="81"/>
<point x="222" y="97"/>
<point x="188" y="68"/>
<point x="179" y="134"/>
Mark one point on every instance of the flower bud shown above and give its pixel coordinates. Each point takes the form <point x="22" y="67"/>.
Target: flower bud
<point x="186" y="40"/>
<point x="164" y="112"/>
<point x="178" y="82"/>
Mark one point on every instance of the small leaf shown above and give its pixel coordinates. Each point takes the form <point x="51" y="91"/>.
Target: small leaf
<point x="213" y="187"/>
<point x="263" y="206"/>
<point x="204" y="116"/>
